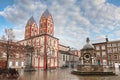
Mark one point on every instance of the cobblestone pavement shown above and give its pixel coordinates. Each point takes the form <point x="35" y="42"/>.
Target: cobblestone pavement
<point x="61" y="74"/>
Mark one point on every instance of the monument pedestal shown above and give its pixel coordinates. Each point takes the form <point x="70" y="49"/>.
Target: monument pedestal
<point x="90" y="68"/>
<point x="29" y="69"/>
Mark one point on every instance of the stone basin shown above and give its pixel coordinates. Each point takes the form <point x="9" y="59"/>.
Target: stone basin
<point x="89" y="70"/>
<point x="93" y="73"/>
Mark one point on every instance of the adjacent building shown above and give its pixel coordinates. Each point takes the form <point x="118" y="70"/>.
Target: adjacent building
<point x="64" y="56"/>
<point x="108" y="53"/>
<point x="11" y="53"/>
<point x="113" y="50"/>
<point x="68" y="57"/>
<point x="101" y="53"/>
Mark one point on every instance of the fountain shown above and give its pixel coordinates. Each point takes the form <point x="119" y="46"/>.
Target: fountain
<point x="89" y="65"/>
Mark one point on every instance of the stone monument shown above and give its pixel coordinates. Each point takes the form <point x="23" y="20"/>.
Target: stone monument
<point x="89" y="65"/>
<point x="28" y="55"/>
<point x="88" y="59"/>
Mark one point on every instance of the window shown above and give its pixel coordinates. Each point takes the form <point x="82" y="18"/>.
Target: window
<point x="114" y="49"/>
<point x="109" y="50"/>
<point x="54" y="43"/>
<point x="42" y="39"/>
<point x="53" y="52"/>
<point x="104" y="62"/>
<point x="66" y="57"/>
<point x="103" y="47"/>
<point x="22" y="64"/>
<point x="104" y="54"/>
<point x="97" y="48"/>
<point x="10" y="63"/>
<point x="114" y="45"/>
<point x="108" y="45"/>
<point x="115" y="57"/>
<point x="44" y="24"/>
<point x="98" y="54"/>
<point x="48" y="23"/>
<point x="17" y="55"/>
<point x="16" y="63"/>
<point x="51" y="25"/>
<point x="4" y="55"/>
<point x="48" y="42"/>
<point x="118" y="44"/>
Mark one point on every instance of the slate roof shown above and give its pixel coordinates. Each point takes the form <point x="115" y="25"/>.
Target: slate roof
<point x="46" y="13"/>
<point x="31" y="20"/>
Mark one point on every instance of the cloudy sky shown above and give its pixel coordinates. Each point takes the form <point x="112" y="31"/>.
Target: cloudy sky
<point x="74" y="20"/>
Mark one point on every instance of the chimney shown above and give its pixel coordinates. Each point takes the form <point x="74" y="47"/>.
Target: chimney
<point x="106" y="39"/>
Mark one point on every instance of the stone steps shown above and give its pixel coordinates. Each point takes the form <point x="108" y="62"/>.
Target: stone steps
<point x="93" y="73"/>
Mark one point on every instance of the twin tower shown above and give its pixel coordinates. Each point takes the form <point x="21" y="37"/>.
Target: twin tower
<point x="46" y="26"/>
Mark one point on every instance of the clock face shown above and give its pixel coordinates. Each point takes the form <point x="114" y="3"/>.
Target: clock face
<point x="86" y="56"/>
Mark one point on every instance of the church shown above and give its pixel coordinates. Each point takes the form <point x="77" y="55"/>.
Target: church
<point x="41" y="37"/>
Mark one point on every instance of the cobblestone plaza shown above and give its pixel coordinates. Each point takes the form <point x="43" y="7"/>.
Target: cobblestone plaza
<point x="62" y="74"/>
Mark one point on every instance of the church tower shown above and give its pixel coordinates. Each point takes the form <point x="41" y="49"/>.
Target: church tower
<point x="46" y="46"/>
<point x="46" y="25"/>
<point x="31" y="28"/>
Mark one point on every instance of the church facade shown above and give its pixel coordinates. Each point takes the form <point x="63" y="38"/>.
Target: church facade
<point x="46" y="46"/>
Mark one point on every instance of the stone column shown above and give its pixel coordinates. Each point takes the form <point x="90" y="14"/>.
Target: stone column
<point x="82" y="60"/>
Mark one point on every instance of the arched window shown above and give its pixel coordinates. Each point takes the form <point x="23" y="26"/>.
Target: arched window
<point x="4" y="55"/>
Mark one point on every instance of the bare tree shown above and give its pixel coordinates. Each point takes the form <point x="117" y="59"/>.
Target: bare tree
<point x="9" y="47"/>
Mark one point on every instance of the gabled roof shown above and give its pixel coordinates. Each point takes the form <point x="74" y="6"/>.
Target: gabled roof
<point x="46" y="13"/>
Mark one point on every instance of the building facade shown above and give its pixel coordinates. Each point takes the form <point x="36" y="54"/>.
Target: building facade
<point x="68" y="57"/>
<point x="108" y="53"/>
<point x="42" y="38"/>
<point x="101" y="53"/>
<point x="64" y="56"/>
<point x="113" y="49"/>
